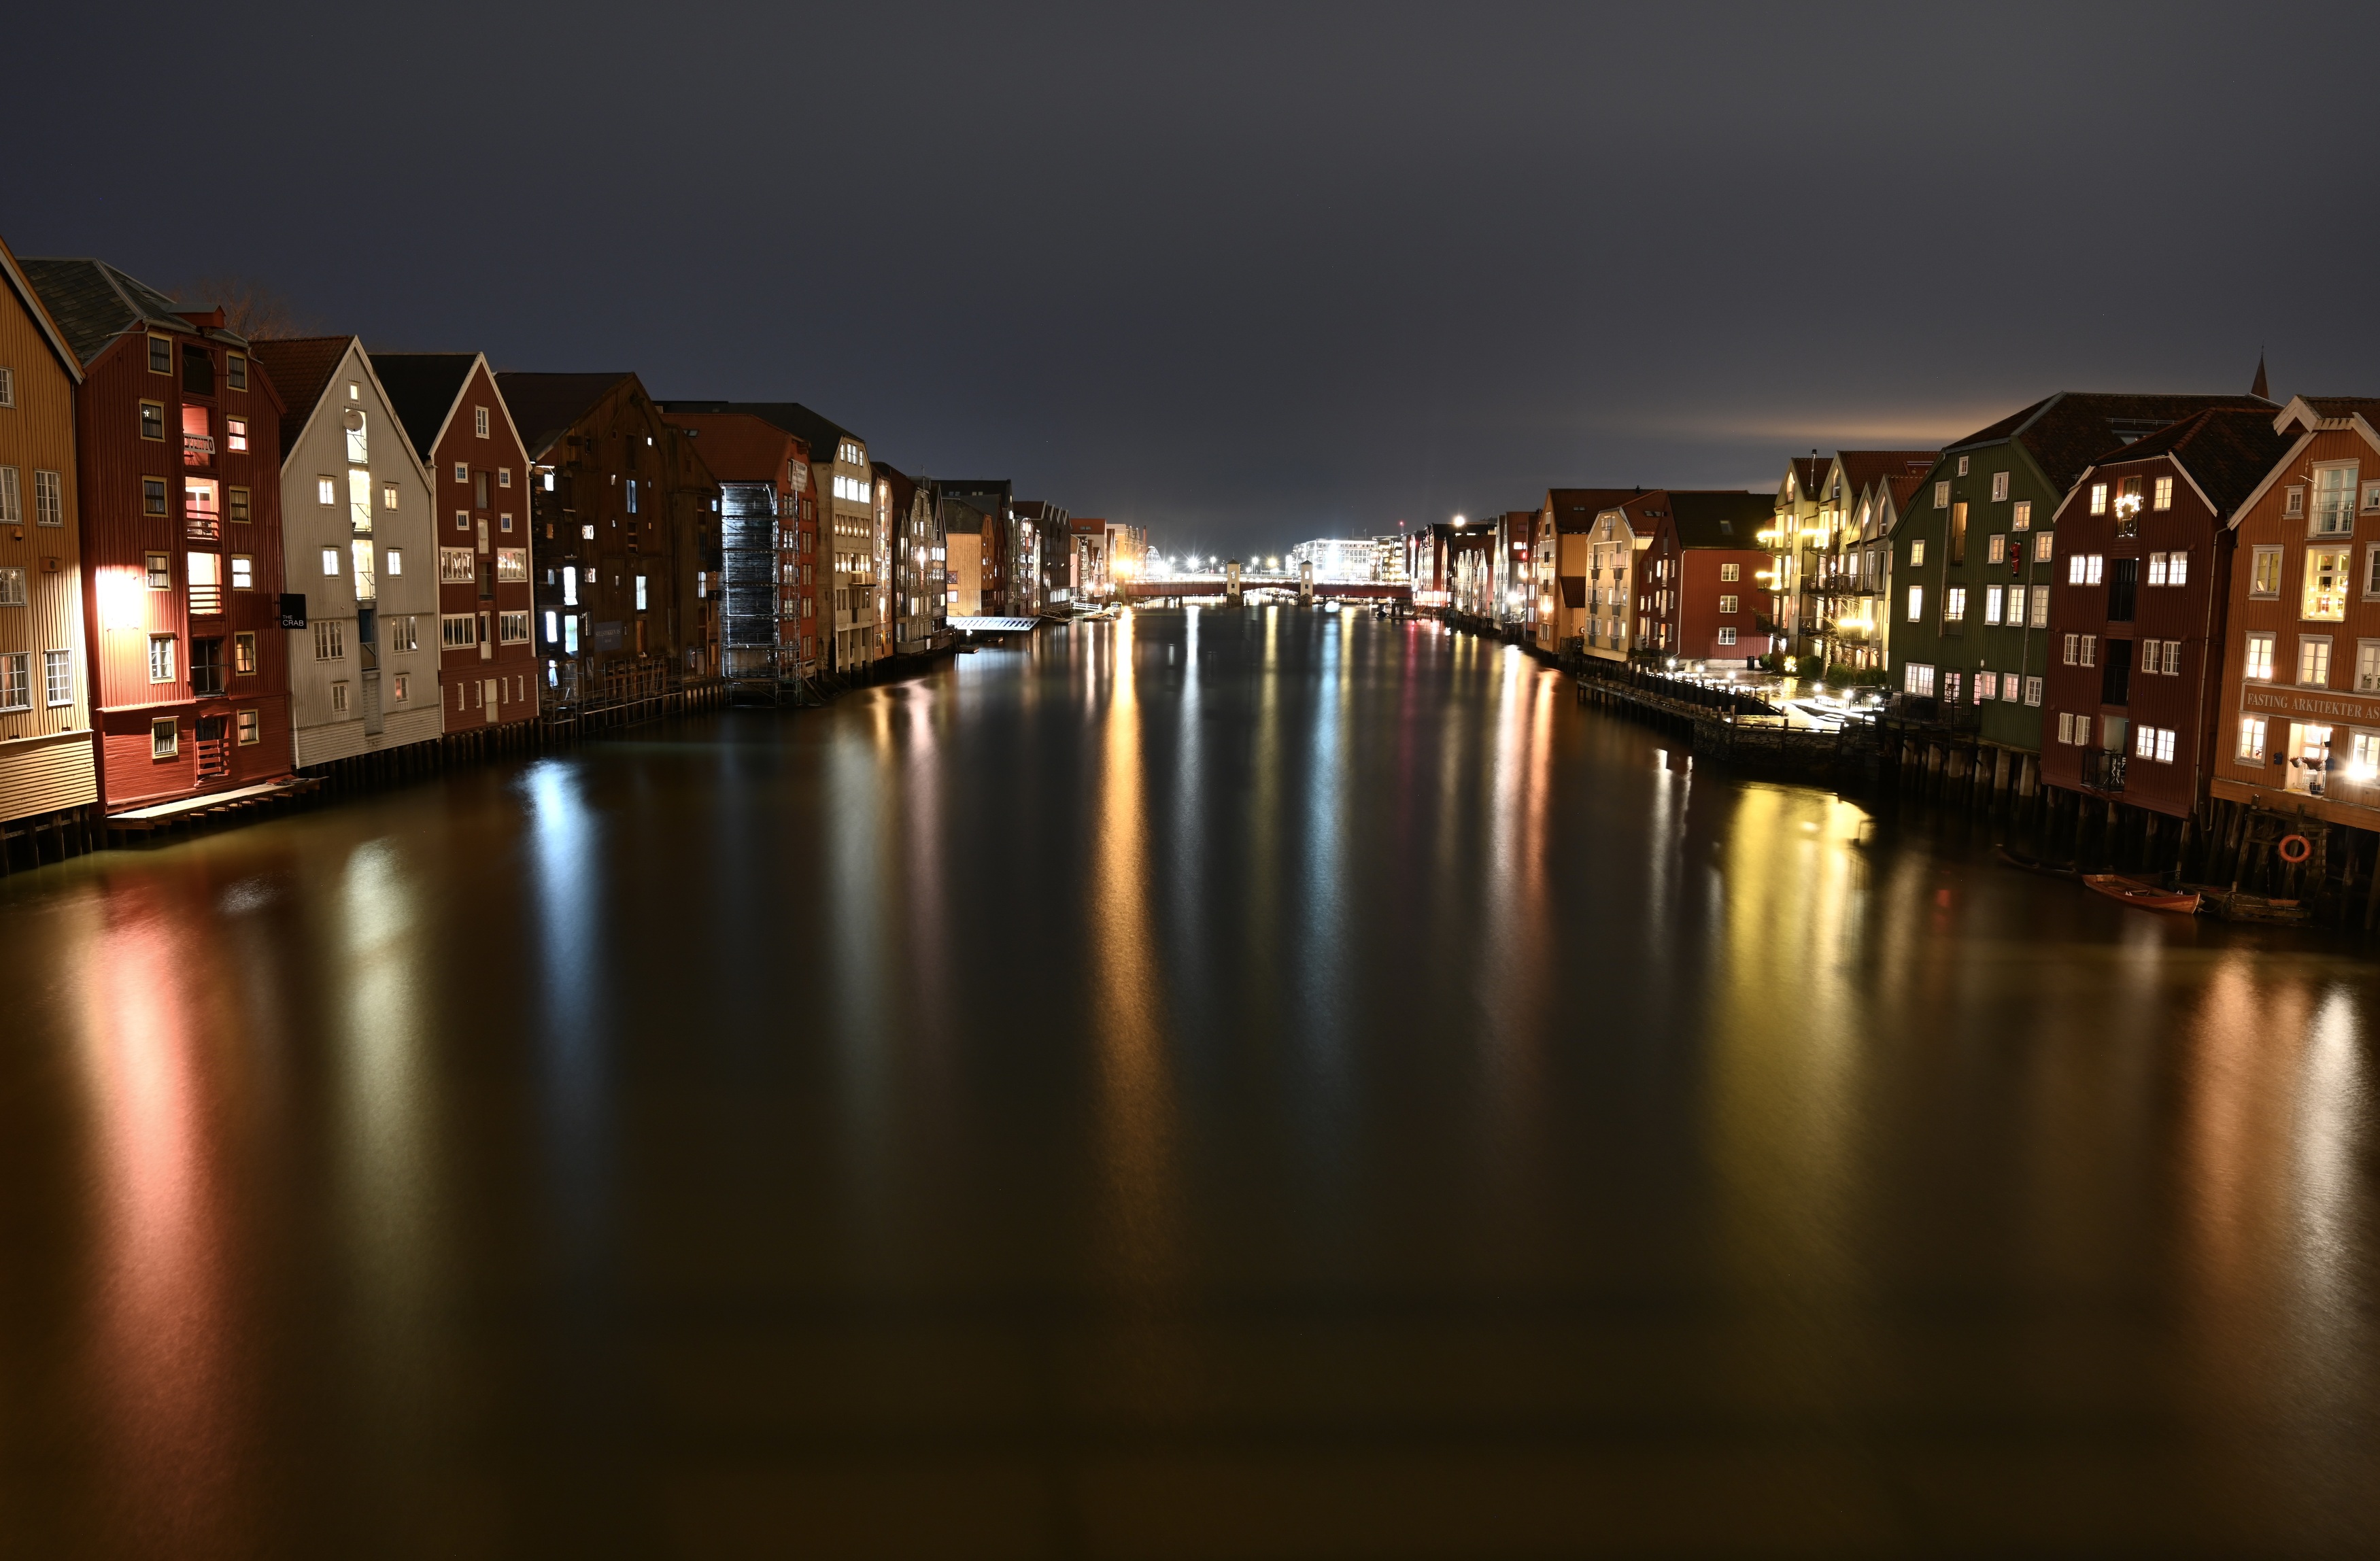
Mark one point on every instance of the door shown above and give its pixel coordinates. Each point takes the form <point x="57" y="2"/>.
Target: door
<point x="2309" y="758"/>
<point x="214" y="749"/>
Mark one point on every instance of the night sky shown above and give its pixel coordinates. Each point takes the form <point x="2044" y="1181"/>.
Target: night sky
<point x="1247" y="276"/>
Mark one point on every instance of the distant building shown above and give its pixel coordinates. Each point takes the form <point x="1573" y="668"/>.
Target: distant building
<point x="1087" y="555"/>
<point x="1562" y="558"/>
<point x="1053" y="533"/>
<point x="920" y="597"/>
<point x="1350" y="560"/>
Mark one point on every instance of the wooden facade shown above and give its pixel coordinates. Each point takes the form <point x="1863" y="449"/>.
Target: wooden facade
<point x="488" y="552"/>
<point x="46" y="763"/>
<point x="179" y="461"/>
<point x="1566" y="520"/>
<point x="1702" y="593"/>
<point x="756" y="598"/>
<point x="625" y="513"/>
<point x="2300" y="698"/>
<point x="361" y="552"/>
<point x="2135" y="613"/>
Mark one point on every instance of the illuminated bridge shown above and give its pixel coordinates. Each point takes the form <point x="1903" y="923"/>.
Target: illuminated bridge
<point x="1192" y="584"/>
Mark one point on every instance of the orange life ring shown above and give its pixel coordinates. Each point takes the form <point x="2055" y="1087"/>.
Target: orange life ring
<point x="2304" y="849"/>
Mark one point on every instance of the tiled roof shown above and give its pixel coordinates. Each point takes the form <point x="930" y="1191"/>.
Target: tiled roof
<point x="2345" y="406"/>
<point x="31" y="298"/>
<point x="1808" y="471"/>
<point x="544" y="406"/>
<point x="737" y="446"/>
<point x="2225" y="453"/>
<point x="93" y="303"/>
<point x="301" y="368"/>
<point x="1904" y="489"/>
<point x="422" y="386"/>
<point x="2067" y="431"/>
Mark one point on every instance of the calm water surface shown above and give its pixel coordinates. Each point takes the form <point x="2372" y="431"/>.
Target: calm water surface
<point x="1246" y="1084"/>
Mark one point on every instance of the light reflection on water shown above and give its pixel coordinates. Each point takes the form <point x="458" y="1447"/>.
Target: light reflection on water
<point x="1192" y="1073"/>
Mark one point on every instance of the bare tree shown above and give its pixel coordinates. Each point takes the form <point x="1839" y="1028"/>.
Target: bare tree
<point x="256" y="309"/>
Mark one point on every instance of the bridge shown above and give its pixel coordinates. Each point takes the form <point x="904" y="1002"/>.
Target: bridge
<point x="1190" y="585"/>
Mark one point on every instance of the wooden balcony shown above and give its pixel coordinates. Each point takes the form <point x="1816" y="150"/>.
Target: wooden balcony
<point x="198" y="449"/>
<point x="206" y="601"/>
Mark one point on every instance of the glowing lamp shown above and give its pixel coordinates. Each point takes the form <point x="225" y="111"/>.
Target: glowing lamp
<point x="121" y="594"/>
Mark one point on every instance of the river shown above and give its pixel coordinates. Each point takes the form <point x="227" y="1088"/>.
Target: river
<point x="1275" y="1082"/>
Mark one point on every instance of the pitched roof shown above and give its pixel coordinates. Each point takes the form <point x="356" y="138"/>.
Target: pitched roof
<point x="1862" y="468"/>
<point x="544" y="406"/>
<point x="2225" y="453"/>
<point x="422" y="387"/>
<point x="301" y="368"/>
<point x="1719" y="517"/>
<point x="904" y="487"/>
<point x="737" y="446"/>
<point x="22" y="285"/>
<point x="1808" y="471"/>
<point x="2067" y="431"/>
<point x="820" y="433"/>
<point x="93" y="303"/>
<point x="2345" y="406"/>
<point x="1575" y="508"/>
<point x="1902" y="489"/>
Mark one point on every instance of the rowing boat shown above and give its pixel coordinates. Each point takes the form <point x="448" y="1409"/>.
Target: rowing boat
<point x="2146" y="897"/>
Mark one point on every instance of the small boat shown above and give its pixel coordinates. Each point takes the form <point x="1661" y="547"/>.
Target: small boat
<point x="2031" y="863"/>
<point x="2146" y="897"/>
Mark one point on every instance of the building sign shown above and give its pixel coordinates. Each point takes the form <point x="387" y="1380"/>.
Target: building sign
<point x="293" y="610"/>
<point x="2303" y="701"/>
<point x="605" y="636"/>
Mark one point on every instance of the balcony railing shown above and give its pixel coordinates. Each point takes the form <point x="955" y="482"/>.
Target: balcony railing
<point x="206" y="601"/>
<point x="203" y="525"/>
<point x="2103" y="772"/>
<point x="197" y="449"/>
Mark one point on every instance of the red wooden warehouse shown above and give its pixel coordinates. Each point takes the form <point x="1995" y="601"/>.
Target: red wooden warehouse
<point x="2136" y="610"/>
<point x="179" y="456"/>
<point x="480" y="479"/>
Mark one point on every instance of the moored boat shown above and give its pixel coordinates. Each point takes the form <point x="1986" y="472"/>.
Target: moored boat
<point x="2146" y="897"/>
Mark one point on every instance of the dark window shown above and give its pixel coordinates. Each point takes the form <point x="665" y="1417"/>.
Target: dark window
<point x="153" y="419"/>
<point x="2115" y="674"/>
<point x="2123" y="585"/>
<point x="480" y="489"/>
<point x="153" y="495"/>
<point x="206" y="666"/>
<point x="161" y="354"/>
<point x="487" y="580"/>
<point x="197" y="371"/>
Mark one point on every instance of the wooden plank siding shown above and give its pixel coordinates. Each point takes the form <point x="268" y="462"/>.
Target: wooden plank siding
<point x="45" y="749"/>
<point x="487" y="509"/>
<point x="116" y="459"/>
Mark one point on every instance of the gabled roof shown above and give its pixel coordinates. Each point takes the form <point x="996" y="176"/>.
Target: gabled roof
<point x="1901" y="490"/>
<point x="2342" y="407"/>
<point x="2226" y="453"/>
<point x="2066" y="433"/>
<point x="1862" y="468"/>
<point x="544" y="406"/>
<point x="422" y="388"/>
<point x="302" y="367"/>
<point x="820" y="433"/>
<point x="1719" y="517"/>
<point x="22" y="285"/>
<point x="1575" y="508"/>
<point x="739" y="447"/>
<point x="904" y="487"/>
<point x="1806" y="472"/>
<point x="93" y="303"/>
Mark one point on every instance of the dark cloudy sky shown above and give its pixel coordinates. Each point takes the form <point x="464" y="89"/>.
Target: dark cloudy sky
<point x="1249" y="275"/>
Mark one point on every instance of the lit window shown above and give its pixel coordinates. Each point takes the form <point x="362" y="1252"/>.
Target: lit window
<point x="553" y="626"/>
<point x="160" y="570"/>
<point x="640" y="593"/>
<point x="2334" y="500"/>
<point x="403" y="685"/>
<point x="404" y="633"/>
<point x="2144" y="742"/>
<point x="1987" y="687"/>
<point x="1917" y="554"/>
<point x="2162" y="496"/>
<point x="2324" y="595"/>
<point x="330" y="561"/>
<point x="2156" y="569"/>
<point x="2367" y="666"/>
<point x="458" y="567"/>
<point x="326" y="491"/>
<point x="2041" y="548"/>
<point x="2265" y="572"/>
<point x="243" y="654"/>
<point x="2098" y="498"/>
<point x="235" y="435"/>
<point x="2314" y="661"/>
<point x="1954" y="604"/>
<point x="243" y="573"/>
<point x="1999" y="487"/>
<point x="1994" y="596"/>
<point x="1996" y="551"/>
<point x="2256" y="661"/>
